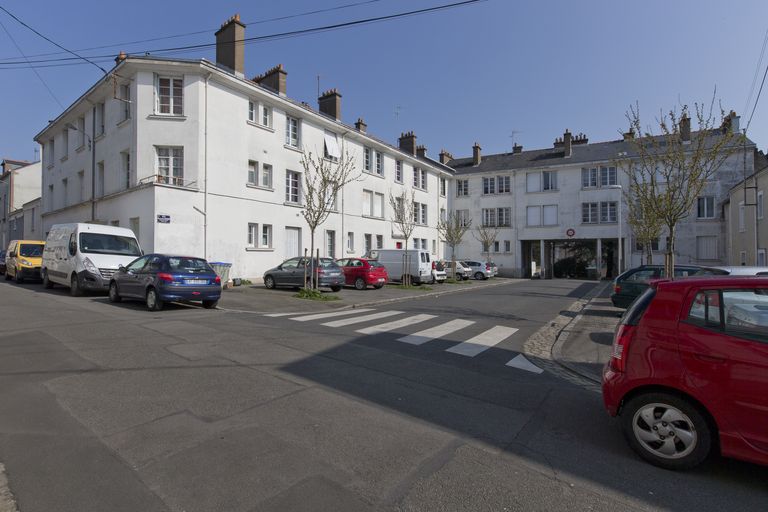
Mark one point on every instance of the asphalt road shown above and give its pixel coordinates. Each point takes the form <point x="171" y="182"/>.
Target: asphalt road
<point x="110" y="407"/>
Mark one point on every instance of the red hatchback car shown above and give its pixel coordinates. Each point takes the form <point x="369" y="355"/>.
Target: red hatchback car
<point x="689" y="371"/>
<point x="360" y="273"/>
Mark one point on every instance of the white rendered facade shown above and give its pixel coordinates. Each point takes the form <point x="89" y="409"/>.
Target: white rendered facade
<point x="182" y="176"/>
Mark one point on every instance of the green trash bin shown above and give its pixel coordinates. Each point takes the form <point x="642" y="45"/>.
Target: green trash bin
<point x="222" y="270"/>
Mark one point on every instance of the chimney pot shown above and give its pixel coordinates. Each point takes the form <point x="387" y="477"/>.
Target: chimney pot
<point x="274" y="79"/>
<point x="445" y="157"/>
<point x="360" y="125"/>
<point x="476" y="156"/>
<point x="407" y="143"/>
<point x="230" y="48"/>
<point x="685" y="128"/>
<point x="329" y="104"/>
<point x="121" y="57"/>
<point x="567" y="144"/>
<point x="629" y="135"/>
<point x="517" y="148"/>
<point x="421" y="151"/>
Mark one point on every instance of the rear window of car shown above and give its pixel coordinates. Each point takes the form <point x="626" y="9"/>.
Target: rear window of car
<point x="188" y="264"/>
<point x="375" y="264"/>
<point x="642" y="276"/>
<point x="740" y="313"/>
<point x="327" y="262"/>
<point x="635" y="311"/>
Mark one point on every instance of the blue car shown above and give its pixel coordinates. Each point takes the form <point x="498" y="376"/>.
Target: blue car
<point x="160" y="278"/>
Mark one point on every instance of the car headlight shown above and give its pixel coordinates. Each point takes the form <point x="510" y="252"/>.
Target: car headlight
<point x="26" y="262"/>
<point x="89" y="266"/>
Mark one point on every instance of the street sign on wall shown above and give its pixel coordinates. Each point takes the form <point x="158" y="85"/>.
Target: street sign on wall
<point x="163" y="219"/>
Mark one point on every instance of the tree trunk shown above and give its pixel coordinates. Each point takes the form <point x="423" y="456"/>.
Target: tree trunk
<point x="669" y="260"/>
<point x="312" y="280"/>
<point x="453" y="261"/>
<point x="649" y="253"/>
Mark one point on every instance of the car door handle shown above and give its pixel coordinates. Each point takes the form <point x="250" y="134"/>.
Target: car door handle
<point x="710" y="359"/>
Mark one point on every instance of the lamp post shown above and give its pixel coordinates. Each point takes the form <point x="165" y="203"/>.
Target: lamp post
<point x="618" y="215"/>
<point x="92" y="147"/>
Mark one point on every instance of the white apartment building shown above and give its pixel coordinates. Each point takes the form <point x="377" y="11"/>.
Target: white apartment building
<point x="557" y="206"/>
<point x="197" y="159"/>
<point x="19" y="184"/>
<point x="747" y="220"/>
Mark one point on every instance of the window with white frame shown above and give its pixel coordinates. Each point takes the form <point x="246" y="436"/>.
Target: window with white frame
<point x="607" y="176"/>
<point x="100" y="179"/>
<point x="463" y="217"/>
<point x="496" y="246"/>
<point x="379" y="163"/>
<point x="367" y="159"/>
<point x="253" y="110"/>
<point x="169" y="95"/>
<point x="549" y="180"/>
<point x="533" y="216"/>
<point x="504" y="217"/>
<point x="489" y="217"/>
<point x="742" y="225"/>
<point x="266" y="236"/>
<point x="608" y="212"/>
<point x="64" y="193"/>
<point x="50" y="198"/>
<point x="379" y="241"/>
<point x="292" y="187"/>
<point x="503" y="185"/>
<point x="706" y="247"/>
<point x="170" y="166"/>
<point x="489" y="186"/>
<point x="332" y="150"/>
<point x="462" y="188"/>
<point x="266" y="176"/>
<point x="589" y="177"/>
<point x="259" y="236"/>
<point x="443" y="187"/>
<point x="65" y="143"/>
<point x="125" y="96"/>
<point x="126" y="157"/>
<point x="761" y="258"/>
<point x="423" y="244"/>
<point x="100" y="118"/>
<point x="368" y="202"/>
<point x="399" y="171"/>
<point x="330" y="243"/>
<point x="266" y="115"/>
<point x="291" y="132"/>
<point x="760" y="207"/>
<point x="420" y="213"/>
<point x="80" y="131"/>
<point x="424" y="214"/>
<point x="253" y="235"/>
<point x="533" y="182"/>
<point x="443" y="214"/>
<point x="350" y="241"/>
<point x="378" y="205"/>
<point x="507" y="246"/>
<point x="416" y="243"/>
<point x="549" y="215"/>
<point x="434" y="246"/>
<point x="81" y="186"/>
<point x="368" y="241"/>
<point x="253" y="172"/>
<point x="589" y="213"/>
<point x="419" y="178"/>
<point x="705" y="207"/>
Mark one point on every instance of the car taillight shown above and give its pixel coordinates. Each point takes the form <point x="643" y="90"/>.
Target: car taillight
<point x="620" y="350"/>
<point x="433" y="265"/>
<point x="487" y="268"/>
<point x="168" y="278"/>
<point x="217" y="280"/>
<point x="616" y="288"/>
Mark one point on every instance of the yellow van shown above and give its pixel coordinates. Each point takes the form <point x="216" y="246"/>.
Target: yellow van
<point x="23" y="260"/>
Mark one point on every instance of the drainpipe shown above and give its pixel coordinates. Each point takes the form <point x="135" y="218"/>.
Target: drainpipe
<point x="93" y="165"/>
<point x="205" y="172"/>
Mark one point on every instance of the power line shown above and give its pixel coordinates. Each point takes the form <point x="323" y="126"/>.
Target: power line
<point x="757" y="72"/>
<point x="176" y="36"/>
<point x="8" y="33"/>
<point x="264" y="38"/>
<point x="49" y="40"/>
<point x="757" y="99"/>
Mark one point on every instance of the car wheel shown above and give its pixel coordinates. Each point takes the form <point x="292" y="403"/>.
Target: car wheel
<point x="210" y="304"/>
<point x="269" y="282"/>
<point x="335" y="288"/>
<point x="74" y="286"/>
<point x="666" y="430"/>
<point x="17" y="277"/>
<point x="7" y="276"/>
<point x="479" y="275"/>
<point x="47" y="283"/>
<point x="114" y="295"/>
<point x="154" y="302"/>
<point x="360" y="283"/>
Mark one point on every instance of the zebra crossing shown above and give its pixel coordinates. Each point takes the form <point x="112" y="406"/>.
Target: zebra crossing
<point x="392" y="320"/>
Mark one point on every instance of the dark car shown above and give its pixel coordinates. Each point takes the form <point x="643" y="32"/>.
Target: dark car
<point x="687" y="373"/>
<point x="160" y="278"/>
<point x="629" y="285"/>
<point x="296" y="272"/>
<point x="2" y="262"/>
<point x="361" y="272"/>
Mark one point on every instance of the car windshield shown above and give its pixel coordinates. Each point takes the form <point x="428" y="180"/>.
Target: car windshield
<point x="190" y="265"/>
<point x="100" y="243"/>
<point x="31" y="250"/>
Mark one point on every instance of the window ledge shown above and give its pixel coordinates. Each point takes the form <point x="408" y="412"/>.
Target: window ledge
<point x="50" y="166"/>
<point x="259" y="125"/>
<point x="259" y="249"/>
<point x="259" y="187"/>
<point x="124" y="122"/>
<point x="706" y="219"/>
<point x="350" y="251"/>
<point x="375" y="175"/>
<point x="293" y="148"/>
<point x="167" y="117"/>
<point x="293" y="205"/>
<point x="99" y="137"/>
<point x="373" y="217"/>
<point x="542" y="191"/>
<point x="80" y="148"/>
<point x="64" y="158"/>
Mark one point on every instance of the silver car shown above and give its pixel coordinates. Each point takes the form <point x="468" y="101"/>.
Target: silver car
<point x="479" y="269"/>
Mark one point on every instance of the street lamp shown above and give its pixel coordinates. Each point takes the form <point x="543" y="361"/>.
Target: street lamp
<point x="92" y="147"/>
<point x="618" y="214"/>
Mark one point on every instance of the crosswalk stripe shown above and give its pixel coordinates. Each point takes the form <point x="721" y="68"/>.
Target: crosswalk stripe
<point x="275" y="315"/>
<point x="521" y="362"/>
<point x="390" y="326"/>
<point x="361" y="319"/>
<point x="332" y="314"/>
<point x="483" y="341"/>
<point x="435" y="332"/>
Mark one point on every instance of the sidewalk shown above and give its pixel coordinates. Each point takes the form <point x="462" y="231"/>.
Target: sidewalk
<point x="585" y="345"/>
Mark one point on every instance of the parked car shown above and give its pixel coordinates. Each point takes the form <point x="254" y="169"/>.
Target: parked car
<point x="23" y="260"/>
<point x="438" y="271"/>
<point x="292" y="272"/>
<point x="736" y="270"/>
<point x="494" y="268"/>
<point x="687" y="371"/>
<point x="85" y="256"/>
<point x="361" y="273"/>
<point x="2" y="261"/>
<point x="462" y="271"/>
<point x="419" y="264"/>
<point x="160" y="278"/>
<point x="480" y="269"/>
<point x="630" y="284"/>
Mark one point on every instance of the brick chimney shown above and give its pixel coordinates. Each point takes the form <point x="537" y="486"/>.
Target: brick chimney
<point x="230" y="49"/>
<point x="329" y="104"/>
<point x="360" y="125"/>
<point x="730" y="123"/>
<point x="445" y="157"/>
<point x="580" y="139"/>
<point x="407" y="143"/>
<point x="567" y="146"/>
<point x="629" y="135"/>
<point x="122" y="56"/>
<point x="517" y="148"/>
<point x="476" y="157"/>
<point x="273" y="79"/>
<point x="685" y="128"/>
<point x="421" y="151"/>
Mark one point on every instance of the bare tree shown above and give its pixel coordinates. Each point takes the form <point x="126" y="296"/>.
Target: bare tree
<point x="452" y="230"/>
<point x="404" y="218"/>
<point x="646" y="225"/>
<point x="486" y="235"/>
<point x="669" y="170"/>
<point x="324" y="178"/>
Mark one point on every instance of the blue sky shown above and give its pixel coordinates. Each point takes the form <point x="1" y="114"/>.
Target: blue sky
<point x="476" y="73"/>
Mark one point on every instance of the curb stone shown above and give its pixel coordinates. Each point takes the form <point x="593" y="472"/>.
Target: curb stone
<point x="7" y="502"/>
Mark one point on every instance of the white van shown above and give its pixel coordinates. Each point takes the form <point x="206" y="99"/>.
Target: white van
<point x="419" y="264"/>
<point x="84" y="256"/>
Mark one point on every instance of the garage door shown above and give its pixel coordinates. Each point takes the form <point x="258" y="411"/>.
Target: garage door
<point x="292" y="242"/>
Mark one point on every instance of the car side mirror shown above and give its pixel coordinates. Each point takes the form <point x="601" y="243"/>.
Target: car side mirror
<point x="279" y="267"/>
<point x="12" y="255"/>
<point x="120" y="268"/>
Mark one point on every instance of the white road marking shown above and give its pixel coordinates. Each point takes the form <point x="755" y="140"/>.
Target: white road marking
<point x="275" y="315"/>
<point x="318" y="316"/>
<point x="389" y="326"/>
<point x="361" y="319"/>
<point x="521" y="362"/>
<point x="483" y="341"/>
<point x="435" y="332"/>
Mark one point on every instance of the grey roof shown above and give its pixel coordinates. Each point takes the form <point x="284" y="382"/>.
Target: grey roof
<point x="554" y="156"/>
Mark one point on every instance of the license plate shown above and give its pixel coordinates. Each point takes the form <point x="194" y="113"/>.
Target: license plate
<point x="195" y="281"/>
